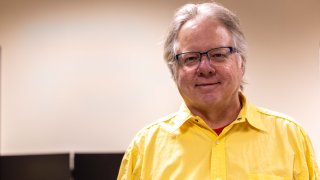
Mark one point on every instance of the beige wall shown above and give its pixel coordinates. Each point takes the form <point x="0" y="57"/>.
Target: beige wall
<point x="87" y="75"/>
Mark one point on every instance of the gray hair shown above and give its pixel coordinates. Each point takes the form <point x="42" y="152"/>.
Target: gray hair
<point x="211" y="10"/>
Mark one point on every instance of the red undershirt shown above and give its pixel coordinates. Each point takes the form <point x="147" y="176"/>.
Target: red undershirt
<point x="219" y="130"/>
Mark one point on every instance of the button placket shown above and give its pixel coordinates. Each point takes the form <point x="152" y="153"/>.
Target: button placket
<point x="218" y="159"/>
<point x="217" y="142"/>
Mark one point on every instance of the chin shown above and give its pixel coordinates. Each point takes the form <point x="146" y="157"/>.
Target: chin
<point x="208" y="99"/>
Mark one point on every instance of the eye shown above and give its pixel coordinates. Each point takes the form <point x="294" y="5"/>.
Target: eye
<point x="218" y="56"/>
<point x="190" y="59"/>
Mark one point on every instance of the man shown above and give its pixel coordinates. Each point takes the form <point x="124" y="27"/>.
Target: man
<point x="217" y="133"/>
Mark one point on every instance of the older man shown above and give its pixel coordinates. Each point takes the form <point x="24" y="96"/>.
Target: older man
<point x="217" y="133"/>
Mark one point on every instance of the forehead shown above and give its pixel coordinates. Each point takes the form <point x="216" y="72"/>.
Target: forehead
<point x="201" y="34"/>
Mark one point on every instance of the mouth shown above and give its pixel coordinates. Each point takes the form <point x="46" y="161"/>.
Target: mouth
<point x="206" y="84"/>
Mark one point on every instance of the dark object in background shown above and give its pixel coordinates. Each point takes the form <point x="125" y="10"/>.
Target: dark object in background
<point x="35" y="167"/>
<point x="96" y="166"/>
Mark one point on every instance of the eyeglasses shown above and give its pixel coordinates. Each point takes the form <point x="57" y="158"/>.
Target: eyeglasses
<point x="193" y="59"/>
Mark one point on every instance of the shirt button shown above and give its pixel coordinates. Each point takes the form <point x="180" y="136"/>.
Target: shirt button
<point x="217" y="142"/>
<point x="196" y="120"/>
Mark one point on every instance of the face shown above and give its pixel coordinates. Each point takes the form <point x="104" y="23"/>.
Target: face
<point x="209" y="84"/>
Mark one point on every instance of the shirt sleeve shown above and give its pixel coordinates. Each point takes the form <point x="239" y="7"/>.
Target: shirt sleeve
<point x="130" y="168"/>
<point x="309" y="168"/>
<point x="312" y="160"/>
<point x="128" y="163"/>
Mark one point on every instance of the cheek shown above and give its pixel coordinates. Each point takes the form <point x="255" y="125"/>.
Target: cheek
<point x="183" y="78"/>
<point x="230" y="71"/>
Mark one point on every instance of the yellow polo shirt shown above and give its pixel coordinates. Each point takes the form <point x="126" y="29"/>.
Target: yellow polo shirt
<point x="259" y="144"/>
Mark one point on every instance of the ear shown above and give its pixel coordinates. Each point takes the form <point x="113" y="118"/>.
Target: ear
<point x="174" y="72"/>
<point x="242" y="64"/>
<point x="243" y="69"/>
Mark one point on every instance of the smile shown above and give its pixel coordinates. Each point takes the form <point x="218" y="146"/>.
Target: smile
<point x="206" y="84"/>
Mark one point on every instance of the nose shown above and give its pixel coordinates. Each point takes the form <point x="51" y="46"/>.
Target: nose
<point x="205" y="67"/>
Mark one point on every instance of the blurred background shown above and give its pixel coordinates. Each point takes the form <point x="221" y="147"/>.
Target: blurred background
<point x="87" y="75"/>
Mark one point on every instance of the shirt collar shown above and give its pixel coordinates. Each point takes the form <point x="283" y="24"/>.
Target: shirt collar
<point x="183" y="115"/>
<point x="248" y="113"/>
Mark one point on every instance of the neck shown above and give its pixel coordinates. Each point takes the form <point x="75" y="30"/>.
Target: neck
<point x="218" y="115"/>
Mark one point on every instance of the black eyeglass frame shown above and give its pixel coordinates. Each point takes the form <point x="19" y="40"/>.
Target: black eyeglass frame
<point x="231" y="49"/>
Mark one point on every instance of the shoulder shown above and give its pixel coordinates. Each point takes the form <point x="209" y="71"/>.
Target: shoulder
<point x="270" y="114"/>
<point x="166" y="120"/>
<point x="156" y="126"/>
<point x="282" y="128"/>
<point x="275" y="119"/>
